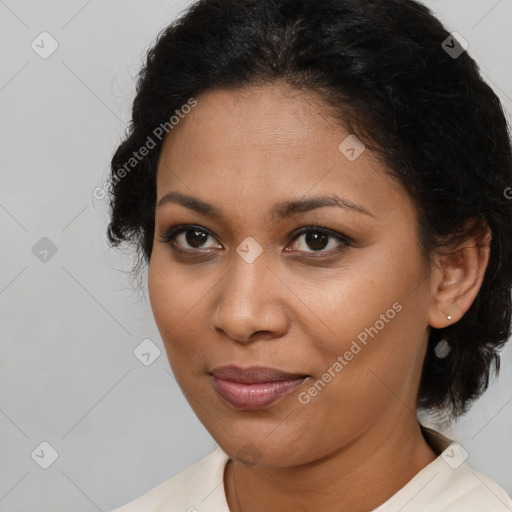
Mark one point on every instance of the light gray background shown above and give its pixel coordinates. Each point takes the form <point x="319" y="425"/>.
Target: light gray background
<point x="69" y="326"/>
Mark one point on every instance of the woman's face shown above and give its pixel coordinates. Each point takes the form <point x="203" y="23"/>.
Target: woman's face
<point x="245" y="288"/>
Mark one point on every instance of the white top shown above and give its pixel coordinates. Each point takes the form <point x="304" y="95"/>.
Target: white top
<point x="448" y="484"/>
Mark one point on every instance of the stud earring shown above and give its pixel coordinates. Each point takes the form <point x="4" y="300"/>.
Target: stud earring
<point x="449" y="317"/>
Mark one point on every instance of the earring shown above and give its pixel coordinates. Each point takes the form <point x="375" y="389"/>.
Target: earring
<point x="449" y="317"/>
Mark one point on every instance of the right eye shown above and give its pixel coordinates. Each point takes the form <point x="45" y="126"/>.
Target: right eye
<point x="187" y="238"/>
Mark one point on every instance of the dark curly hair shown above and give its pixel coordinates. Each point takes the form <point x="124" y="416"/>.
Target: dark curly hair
<point x="385" y="68"/>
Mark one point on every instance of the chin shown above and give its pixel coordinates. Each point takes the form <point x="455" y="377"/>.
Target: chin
<point x="260" y="449"/>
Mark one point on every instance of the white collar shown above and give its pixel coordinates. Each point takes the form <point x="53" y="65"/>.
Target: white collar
<point x="448" y="484"/>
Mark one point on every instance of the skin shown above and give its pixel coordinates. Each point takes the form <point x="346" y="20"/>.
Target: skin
<point x="358" y="441"/>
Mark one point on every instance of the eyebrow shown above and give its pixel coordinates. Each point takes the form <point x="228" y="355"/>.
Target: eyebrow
<point x="279" y="211"/>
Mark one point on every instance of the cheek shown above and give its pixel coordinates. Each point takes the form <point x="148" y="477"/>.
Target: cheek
<point x="179" y="301"/>
<point x="162" y="295"/>
<point x="172" y="300"/>
<point x="354" y="303"/>
<point x="370" y="331"/>
<point x="365" y="372"/>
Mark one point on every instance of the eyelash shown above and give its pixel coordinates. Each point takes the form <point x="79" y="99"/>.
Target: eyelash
<point x="346" y="242"/>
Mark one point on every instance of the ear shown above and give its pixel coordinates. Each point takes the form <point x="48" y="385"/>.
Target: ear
<point x="458" y="275"/>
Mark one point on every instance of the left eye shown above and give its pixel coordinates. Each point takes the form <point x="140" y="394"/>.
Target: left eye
<point x="316" y="238"/>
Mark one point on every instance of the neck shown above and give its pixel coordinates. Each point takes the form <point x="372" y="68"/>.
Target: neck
<point x="358" y="477"/>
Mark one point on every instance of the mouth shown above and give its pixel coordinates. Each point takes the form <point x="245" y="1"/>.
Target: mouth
<point x="255" y="387"/>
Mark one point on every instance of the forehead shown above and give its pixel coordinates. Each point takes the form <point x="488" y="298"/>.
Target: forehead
<point x="267" y="122"/>
<point x="264" y="144"/>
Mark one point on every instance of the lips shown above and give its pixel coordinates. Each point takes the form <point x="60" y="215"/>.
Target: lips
<point x="254" y="387"/>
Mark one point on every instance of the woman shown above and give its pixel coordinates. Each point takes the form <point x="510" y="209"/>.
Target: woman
<point x="319" y="190"/>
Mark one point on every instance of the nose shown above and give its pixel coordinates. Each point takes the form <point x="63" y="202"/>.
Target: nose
<point x="251" y="302"/>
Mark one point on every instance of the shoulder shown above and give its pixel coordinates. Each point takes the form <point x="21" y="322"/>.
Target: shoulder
<point x="186" y="491"/>
<point x="449" y="484"/>
<point x="474" y="491"/>
<point x="465" y="488"/>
